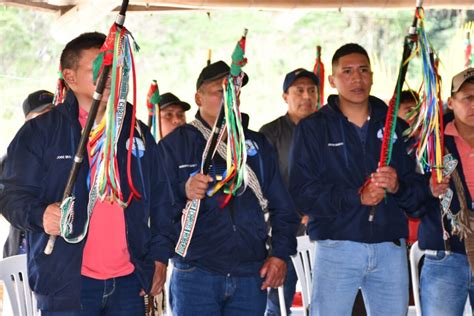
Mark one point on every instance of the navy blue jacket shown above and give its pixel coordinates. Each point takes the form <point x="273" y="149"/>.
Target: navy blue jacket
<point x="329" y="164"/>
<point x="430" y="233"/>
<point x="36" y="170"/>
<point x="230" y="239"/>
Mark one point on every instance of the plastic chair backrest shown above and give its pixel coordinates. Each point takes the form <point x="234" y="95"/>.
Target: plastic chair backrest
<point x="281" y="300"/>
<point x="303" y="262"/>
<point x="167" y="288"/>
<point x="13" y="273"/>
<point x="415" y="256"/>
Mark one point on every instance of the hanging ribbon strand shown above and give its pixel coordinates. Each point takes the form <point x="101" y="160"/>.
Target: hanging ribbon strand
<point x="153" y="99"/>
<point x="229" y="120"/>
<point x="319" y="72"/>
<point x="117" y="52"/>
<point x="235" y="180"/>
<point x="427" y="127"/>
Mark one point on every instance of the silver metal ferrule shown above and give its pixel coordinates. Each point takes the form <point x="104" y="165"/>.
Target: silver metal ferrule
<point x="120" y="20"/>
<point x="97" y="96"/>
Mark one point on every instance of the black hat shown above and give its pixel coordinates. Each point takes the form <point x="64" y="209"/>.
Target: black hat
<point x="214" y="71"/>
<point x="296" y="74"/>
<point x="37" y="101"/>
<point x="168" y="99"/>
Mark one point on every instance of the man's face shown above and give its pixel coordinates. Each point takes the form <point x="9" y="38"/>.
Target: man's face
<point x="352" y="77"/>
<point x="209" y="98"/>
<point x="301" y="98"/>
<point x="462" y="104"/>
<point x="171" y="117"/>
<point x="80" y="79"/>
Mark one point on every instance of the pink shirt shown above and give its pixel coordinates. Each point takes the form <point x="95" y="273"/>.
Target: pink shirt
<point x="466" y="154"/>
<point x="106" y="252"/>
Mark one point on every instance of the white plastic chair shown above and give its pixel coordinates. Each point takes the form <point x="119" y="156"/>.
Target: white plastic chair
<point x="13" y="273"/>
<point x="281" y="299"/>
<point x="415" y="256"/>
<point x="167" y="288"/>
<point x="303" y="262"/>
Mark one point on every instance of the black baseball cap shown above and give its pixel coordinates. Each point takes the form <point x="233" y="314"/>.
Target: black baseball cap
<point x="168" y="99"/>
<point x="37" y="101"/>
<point x="292" y="76"/>
<point x="214" y="71"/>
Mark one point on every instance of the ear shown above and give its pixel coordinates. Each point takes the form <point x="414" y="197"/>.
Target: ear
<point x="285" y="96"/>
<point x="450" y="103"/>
<point x="331" y="81"/>
<point x="197" y="98"/>
<point x="69" y="76"/>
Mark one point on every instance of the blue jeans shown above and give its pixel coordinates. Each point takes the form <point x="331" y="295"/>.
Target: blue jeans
<point x="342" y="267"/>
<point x="114" y="297"/>
<point x="195" y="291"/>
<point x="445" y="283"/>
<point x="289" y="289"/>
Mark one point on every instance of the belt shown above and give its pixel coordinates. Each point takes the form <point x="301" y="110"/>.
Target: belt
<point x="435" y="252"/>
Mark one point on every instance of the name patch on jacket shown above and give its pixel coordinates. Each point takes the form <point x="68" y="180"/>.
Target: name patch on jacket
<point x="192" y="165"/>
<point x="63" y="157"/>
<point x="335" y="144"/>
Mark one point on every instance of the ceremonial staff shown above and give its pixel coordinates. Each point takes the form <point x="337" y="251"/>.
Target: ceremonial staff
<point x="391" y="119"/>
<point x="81" y="150"/>
<point x="319" y="72"/>
<point x="153" y="105"/>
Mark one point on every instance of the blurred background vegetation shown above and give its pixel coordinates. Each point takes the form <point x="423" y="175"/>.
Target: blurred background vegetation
<point x="174" y="48"/>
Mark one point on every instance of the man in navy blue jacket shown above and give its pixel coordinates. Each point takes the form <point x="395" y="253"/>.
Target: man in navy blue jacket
<point x="81" y="278"/>
<point x="299" y="92"/>
<point x="335" y="151"/>
<point x="227" y="268"/>
<point x="446" y="277"/>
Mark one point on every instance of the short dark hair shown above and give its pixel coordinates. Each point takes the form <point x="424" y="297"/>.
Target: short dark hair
<point x="72" y="51"/>
<point x="409" y="96"/>
<point x="347" y="49"/>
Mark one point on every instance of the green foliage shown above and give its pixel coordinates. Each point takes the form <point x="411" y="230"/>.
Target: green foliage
<point x="174" y="48"/>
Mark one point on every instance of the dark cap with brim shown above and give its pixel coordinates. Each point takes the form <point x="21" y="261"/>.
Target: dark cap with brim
<point x="37" y="101"/>
<point x="295" y="75"/>
<point x="168" y="99"/>
<point x="215" y="71"/>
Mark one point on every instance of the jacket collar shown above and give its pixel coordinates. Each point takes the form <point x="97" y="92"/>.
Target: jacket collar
<point x="378" y="108"/>
<point x="70" y="107"/>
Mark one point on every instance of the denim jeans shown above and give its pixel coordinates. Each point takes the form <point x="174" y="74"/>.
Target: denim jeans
<point x="445" y="283"/>
<point x="289" y="288"/>
<point x="114" y="297"/>
<point x="195" y="291"/>
<point x="342" y="267"/>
